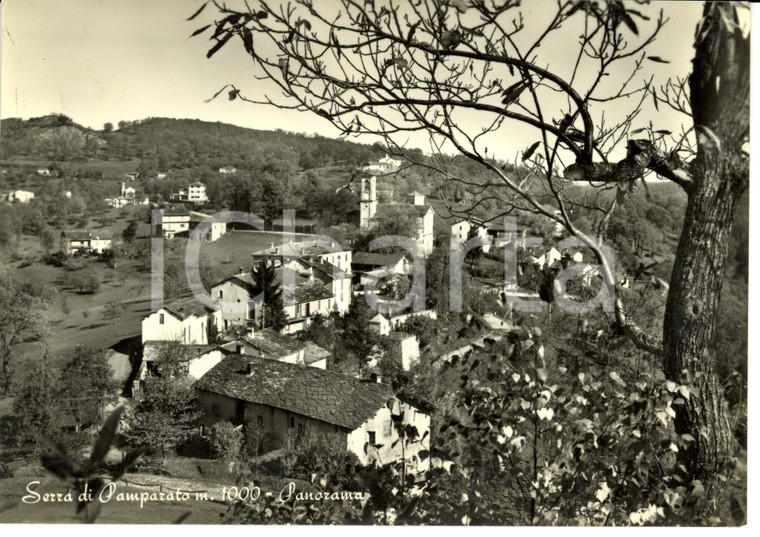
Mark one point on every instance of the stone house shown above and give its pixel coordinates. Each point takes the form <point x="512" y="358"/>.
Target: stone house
<point x="290" y="401"/>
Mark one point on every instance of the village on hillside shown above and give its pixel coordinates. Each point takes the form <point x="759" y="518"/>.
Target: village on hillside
<point x="443" y="262"/>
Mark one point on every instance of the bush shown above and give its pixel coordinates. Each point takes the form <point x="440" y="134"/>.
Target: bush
<point x="323" y="455"/>
<point x="226" y="441"/>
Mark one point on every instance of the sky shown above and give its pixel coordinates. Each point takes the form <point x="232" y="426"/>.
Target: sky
<point x="101" y="61"/>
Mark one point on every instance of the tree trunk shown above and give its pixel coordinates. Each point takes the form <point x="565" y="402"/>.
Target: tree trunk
<point x="719" y="88"/>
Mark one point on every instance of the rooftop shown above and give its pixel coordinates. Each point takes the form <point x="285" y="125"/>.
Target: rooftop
<point x="187" y="307"/>
<point x="330" y="397"/>
<point x="375" y="259"/>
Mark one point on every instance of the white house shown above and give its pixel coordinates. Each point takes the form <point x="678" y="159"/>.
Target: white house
<point x="176" y="221"/>
<point x="82" y="241"/>
<point x="194" y="193"/>
<point x="387" y="164"/>
<point x="228" y="170"/>
<point x="201" y="358"/>
<point x="377" y="423"/>
<point x="335" y="255"/>
<point x="309" y="288"/>
<point x="44" y="172"/>
<point x="186" y="321"/>
<point x="21" y="196"/>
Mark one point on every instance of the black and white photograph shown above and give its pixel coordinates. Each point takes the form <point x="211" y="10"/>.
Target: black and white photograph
<point x="374" y="263"/>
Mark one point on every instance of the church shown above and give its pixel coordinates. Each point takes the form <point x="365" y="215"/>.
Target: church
<point x="417" y="208"/>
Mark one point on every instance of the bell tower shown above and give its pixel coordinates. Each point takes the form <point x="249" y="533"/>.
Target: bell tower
<point x="368" y="201"/>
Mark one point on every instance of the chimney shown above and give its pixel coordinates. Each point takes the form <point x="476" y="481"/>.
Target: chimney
<point x="239" y="349"/>
<point x="250" y="368"/>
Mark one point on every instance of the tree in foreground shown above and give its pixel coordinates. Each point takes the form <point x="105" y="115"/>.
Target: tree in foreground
<point x="86" y="385"/>
<point x="389" y="70"/>
<point x="22" y="313"/>
<point x="163" y="416"/>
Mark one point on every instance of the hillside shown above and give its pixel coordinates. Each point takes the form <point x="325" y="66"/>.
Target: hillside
<point x="174" y="144"/>
<point x="55" y="137"/>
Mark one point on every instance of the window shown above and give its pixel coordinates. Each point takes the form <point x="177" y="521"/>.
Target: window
<point x="215" y="409"/>
<point x="160" y="318"/>
<point x="260" y="420"/>
<point x="221" y="293"/>
<point x="292" y="422"/>
<point x="387" y="428"/>
<point x="371" y="440"/>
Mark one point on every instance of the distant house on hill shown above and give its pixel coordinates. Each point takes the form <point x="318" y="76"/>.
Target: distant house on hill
<point x="43" y="172"/>
<point x="291" y="401"/>
<point x="82" y="241"/>
<point x="181" y="221"/>
<point x="228" y="170"/>
<point x="194" y="193"/>
<point x="387" y="164"/>
<point x="21" y="196"/>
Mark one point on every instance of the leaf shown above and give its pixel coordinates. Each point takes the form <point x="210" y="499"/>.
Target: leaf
<point x="461" y="5"/>
<point x="283" y="63"/>
<point x="262" y="15"/>
<point x="233" y="94"/>
<point x="662" y="131"/>
<point x="58" y="462"/>
<point x="657" y="59"/>
<point x="217" y="93"/>
<point x="219" y="44"/>
<point x="616" y="377"/>
<point x="636" y="131"/>
<point x="248" y="41"/>
<point x="542" y="374"/>
<point x="512" y="93"/>
<point x="529" y="152"/>
<point x="200" y="30"/>
<point x="654" y="97"/>
<point x="106" y="436"/>
<point x="198" y="12"/>
<point x="401" y="62"/>
<point x="629" y="22"/>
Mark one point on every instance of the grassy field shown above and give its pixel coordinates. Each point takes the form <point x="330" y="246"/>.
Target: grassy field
<point x="234" y="250"/>
<point x="114" y="168"/>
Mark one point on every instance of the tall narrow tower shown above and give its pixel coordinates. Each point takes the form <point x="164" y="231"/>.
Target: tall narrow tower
<point x="368" y="202"/>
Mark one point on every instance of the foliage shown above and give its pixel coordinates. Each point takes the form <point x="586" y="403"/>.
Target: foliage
<point x="130" y="231"/>
<point x="163" y="415"/>
<point x="322" y="455"/>
<point x="86" y="385"/>
<point x="36" y="403"/>
<point x="226" y="441"/>
<point x="88" y="475"/>
<point x="22" y="313"/>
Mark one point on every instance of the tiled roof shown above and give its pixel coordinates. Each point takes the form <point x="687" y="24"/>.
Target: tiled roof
<point x="375" y="259"/>
<point x="322" y="395"/>
<point x="85" y="235"/>
<point x="273" y="344"/>
<point x="175" y="211"/>
<point x="298" y="249"/>
<point x="76" y="235"/>
<point x="314" y="353"/>
<point x="187" y="307"/>
<point x="417" y="211"/>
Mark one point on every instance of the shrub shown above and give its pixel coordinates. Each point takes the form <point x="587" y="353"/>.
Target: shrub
<point x="323" y="455"/>
<point x="226" y="441"/>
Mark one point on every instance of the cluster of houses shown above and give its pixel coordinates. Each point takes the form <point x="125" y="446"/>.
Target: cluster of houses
<point x="18" y="196"/>
<point x="259" y="377"/>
